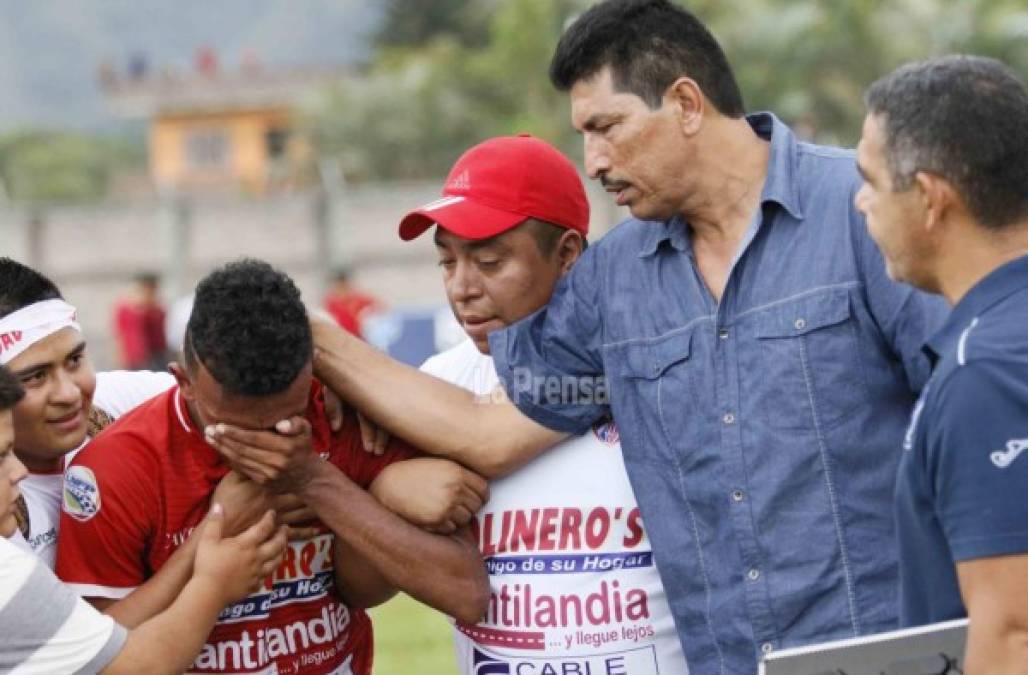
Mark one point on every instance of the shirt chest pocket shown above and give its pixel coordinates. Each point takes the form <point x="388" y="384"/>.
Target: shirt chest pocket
<point x="806" y="369"/>
<point x="655" y="374"/>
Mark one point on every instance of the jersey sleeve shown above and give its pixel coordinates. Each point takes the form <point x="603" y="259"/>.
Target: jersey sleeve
<point x="978" y="460"/>
<point x="348" y="454"/>
<point x="109" y="505"/>
<point x="46" y="627"/>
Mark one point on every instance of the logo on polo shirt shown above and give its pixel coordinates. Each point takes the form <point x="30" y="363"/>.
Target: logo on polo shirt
<point x="1004" y="458"/>
<point x="81" y="493"/>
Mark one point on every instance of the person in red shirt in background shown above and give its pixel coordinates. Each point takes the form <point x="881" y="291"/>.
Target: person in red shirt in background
<point x="349" y="305"/>
<point x="139" y="327"/>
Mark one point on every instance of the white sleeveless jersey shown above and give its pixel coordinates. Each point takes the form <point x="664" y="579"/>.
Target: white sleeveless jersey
<point x="573" y="584"/>
<point x="117" y="392"/>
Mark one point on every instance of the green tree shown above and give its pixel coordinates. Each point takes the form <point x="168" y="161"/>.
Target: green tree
<point x="415" y="23"/>
<point x="417" y="109"/>
<point x="42" y="166"/>
<point x="424" y="102"/>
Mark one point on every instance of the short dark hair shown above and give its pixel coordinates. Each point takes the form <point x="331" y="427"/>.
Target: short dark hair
<point x="249" y="328"/>
<point x="10" y="389"/>
<point x="965" y="119"/>
<point x="21" y="286"/>
<point x="546" y="235"/>
<point x="648" y="44"/>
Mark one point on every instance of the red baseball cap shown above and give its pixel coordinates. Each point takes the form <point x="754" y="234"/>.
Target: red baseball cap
<point x="498" y="184"/>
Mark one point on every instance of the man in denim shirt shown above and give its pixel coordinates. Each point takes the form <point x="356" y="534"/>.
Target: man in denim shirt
<point x="759" y="362"/>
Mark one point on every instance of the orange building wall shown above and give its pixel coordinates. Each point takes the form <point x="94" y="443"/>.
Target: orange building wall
<point x="246" y="163"/>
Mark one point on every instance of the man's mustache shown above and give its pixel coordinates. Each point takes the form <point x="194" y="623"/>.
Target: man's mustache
<point x="609" y="184"/>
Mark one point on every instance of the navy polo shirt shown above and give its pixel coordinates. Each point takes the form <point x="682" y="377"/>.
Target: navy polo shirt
<point x="962" y="491"/>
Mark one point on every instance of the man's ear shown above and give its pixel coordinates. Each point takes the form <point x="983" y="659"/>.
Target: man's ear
<point x="938" y="199"/>
<point x="686" y="100"/>
<point x="569" y="249"/>
<point x="181" y="375"/>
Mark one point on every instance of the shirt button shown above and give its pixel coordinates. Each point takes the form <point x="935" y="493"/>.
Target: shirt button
<point x="737" y="495"/>
<point x="753" y="574"/>
<point x="729" y="418"/>
<point x="766" y="647"/>
<point x="723" y="333"/>
<point x="800" y="324"/>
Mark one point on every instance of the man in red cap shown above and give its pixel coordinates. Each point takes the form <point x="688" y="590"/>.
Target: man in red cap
<point x="563" y="541"/>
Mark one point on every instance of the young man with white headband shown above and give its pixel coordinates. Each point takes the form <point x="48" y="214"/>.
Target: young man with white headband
<point x="512" y="221"/>
<point x="65" y="402"/>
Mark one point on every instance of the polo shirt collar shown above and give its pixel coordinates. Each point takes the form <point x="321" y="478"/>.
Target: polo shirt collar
<point x="780" y="185"/>
<point x="995" y="287"/>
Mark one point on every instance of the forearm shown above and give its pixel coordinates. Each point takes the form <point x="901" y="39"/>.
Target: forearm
<point x="358" y="582"/>
<point x="445" y="572"/>
<point x="159" y="591"/>
<point x="170" y="642"/>
<point x="994" y="646"/>
<point x="437" y="417"/>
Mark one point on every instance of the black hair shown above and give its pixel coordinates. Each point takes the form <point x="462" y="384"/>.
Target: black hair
<point x="965" y="119"/>
<point x="21" y="286"/>
<point x="249" y="328"/>
<point x="648" y="44"/>
<point x="148" y="279"/>
<point x="546" y="235"/>
<point x="10" y="389"/>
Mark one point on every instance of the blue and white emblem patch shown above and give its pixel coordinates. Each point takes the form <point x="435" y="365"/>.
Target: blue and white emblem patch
<point x="81" y="493"/>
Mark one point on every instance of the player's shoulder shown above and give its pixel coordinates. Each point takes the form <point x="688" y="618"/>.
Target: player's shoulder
<point x="137" y="435"/>
<point x="119" y="391"/>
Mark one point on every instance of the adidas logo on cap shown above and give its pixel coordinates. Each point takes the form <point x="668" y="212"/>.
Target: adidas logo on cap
<point x="461" y="182"/>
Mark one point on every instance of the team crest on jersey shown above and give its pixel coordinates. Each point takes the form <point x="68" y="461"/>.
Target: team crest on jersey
<point x="607" y="432"/>
<point x="81" y="493"/>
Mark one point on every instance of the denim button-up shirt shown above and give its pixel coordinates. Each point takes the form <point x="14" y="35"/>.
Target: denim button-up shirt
<point x="760" y="433"/>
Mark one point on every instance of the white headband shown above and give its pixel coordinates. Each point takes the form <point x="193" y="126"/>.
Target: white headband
<point x="24" y="328"/>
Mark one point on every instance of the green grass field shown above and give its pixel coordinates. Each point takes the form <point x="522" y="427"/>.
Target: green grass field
<point x="411" y="639"/>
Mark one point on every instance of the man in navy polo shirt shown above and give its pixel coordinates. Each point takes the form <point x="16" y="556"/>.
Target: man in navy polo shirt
<point x="944" y="156"/>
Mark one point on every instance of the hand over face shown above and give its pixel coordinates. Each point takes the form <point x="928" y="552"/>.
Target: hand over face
<point x="282" y="459"/>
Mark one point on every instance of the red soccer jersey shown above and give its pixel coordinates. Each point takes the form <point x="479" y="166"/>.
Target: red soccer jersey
<point x="136" y="492"/>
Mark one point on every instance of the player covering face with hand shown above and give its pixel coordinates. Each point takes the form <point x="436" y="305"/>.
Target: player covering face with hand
<point x="48" y="629"/>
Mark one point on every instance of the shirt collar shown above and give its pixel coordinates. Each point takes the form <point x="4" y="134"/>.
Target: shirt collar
<point x="996" y="286"/>
<point x="672" y="231"/>
<point x="779" y="186"/>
